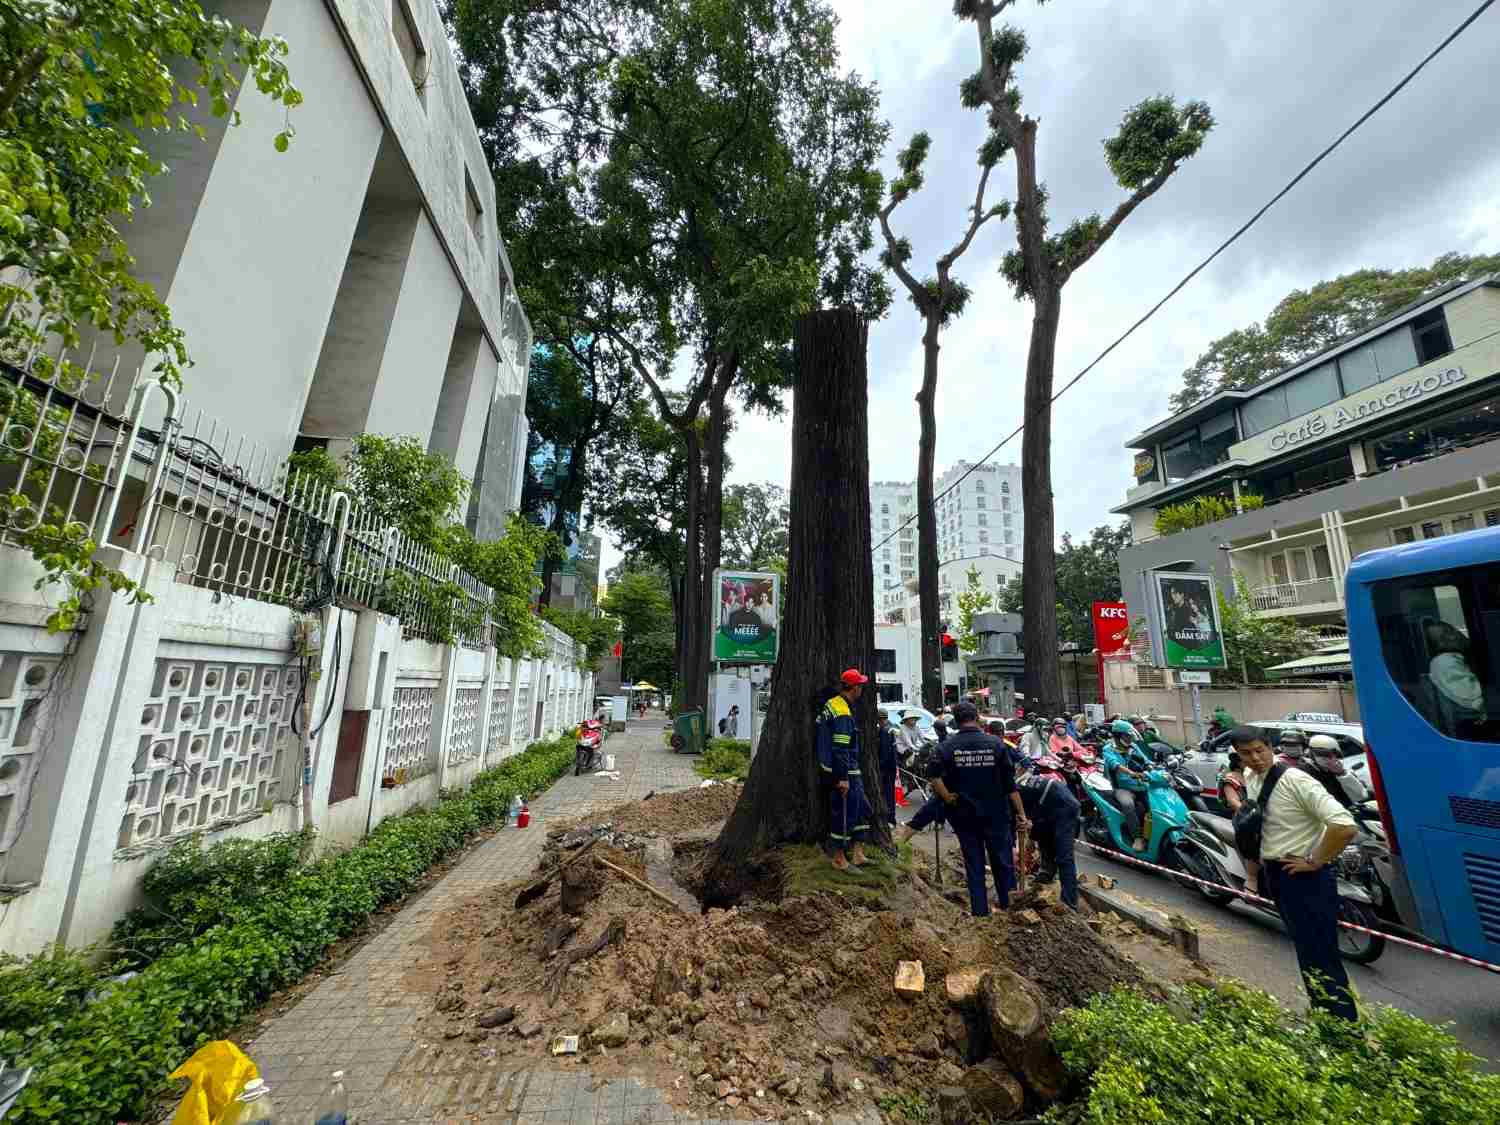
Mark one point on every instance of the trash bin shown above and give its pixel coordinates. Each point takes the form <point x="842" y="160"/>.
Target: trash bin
<point x="687" y="733"/>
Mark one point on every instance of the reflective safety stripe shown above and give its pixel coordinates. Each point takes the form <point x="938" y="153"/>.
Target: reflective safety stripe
<point x="842" y="737"/>
<point x="852" y="773"/>
<point x="836" y="836"/>
<point x="825" y="769"/>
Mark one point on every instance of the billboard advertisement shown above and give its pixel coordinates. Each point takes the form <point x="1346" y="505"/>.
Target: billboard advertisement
<point x="745" y="624"/>
<point x="1190" y="633"/>
<point x="1111" y="630"/>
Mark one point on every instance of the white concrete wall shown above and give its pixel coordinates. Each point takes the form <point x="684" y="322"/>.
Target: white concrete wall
<point x="209" y="681"/>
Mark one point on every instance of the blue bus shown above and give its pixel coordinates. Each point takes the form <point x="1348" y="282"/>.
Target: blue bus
<point x="1424" y="639"/>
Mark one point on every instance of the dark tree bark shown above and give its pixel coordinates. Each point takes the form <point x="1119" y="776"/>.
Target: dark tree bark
<point x="712" y="516"/>
<point x="1038" y="557"/>
<point x="829" y="620"/>
<point x="927" y="552"/>
<point x="693" y="639"/>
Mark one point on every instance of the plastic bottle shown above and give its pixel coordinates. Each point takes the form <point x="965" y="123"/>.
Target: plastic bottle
<point x="252" y="1107"/>
<point x="334" y="1108"/>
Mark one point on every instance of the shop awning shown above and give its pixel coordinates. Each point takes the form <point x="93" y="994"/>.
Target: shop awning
<point x="1319" y="664"/>
<point x="645" y="686"/>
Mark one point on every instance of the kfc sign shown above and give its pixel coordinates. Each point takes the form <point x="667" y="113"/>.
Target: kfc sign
<point x="1111" y="629"/>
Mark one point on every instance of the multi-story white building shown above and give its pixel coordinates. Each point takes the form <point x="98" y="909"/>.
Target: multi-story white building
<point x="900" y="603"/>
<point x="979" y="520"/>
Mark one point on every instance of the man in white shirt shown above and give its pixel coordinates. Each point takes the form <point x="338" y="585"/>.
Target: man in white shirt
<point x="1303" y="830"/>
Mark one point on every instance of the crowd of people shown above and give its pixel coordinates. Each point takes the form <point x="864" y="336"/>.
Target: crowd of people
<point x="986" y="789"/>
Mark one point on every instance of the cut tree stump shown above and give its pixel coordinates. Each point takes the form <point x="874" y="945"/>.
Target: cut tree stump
<point x="557" y="936"/>
<point x="580" y="886"/>
<point x="613" y="934"/>
<point x="993" y="1090"/>
<point x="1018" y="1021"/>
<point x="953" y="1106"/>
<point x="536" y="890"/>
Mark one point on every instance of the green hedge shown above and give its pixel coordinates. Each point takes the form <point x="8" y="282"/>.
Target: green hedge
<point x="1232" y="1054"/>
<point x="103" y="1060"/>
<point x="724" y="759"/>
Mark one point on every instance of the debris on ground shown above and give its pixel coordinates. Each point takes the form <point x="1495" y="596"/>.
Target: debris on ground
<point x="815" y="1004"/>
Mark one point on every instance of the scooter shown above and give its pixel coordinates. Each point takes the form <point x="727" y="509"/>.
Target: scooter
<point x="1214" y="858"/>
<point x="1164" y="820"/>
<point x="586" y="756"/>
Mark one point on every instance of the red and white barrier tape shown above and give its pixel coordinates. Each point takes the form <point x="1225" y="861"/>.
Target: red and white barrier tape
<point x="1424" y="947"/>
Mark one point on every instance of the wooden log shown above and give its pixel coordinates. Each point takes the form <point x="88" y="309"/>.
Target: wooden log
<point x="557" y="936"/>
<point x="645" y="886"/>
<point x="993" y="1090"/>
<point x="666" y="982"/>
<point x="613" y="934"/>
<point x="953" y="1106"/>
<point x="1018" y="1019"/>
<point x="580" y="886"/>
<point x="536" y="890"/>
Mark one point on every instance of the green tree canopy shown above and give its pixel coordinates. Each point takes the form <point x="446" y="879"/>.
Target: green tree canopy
<point x="1306" y="321"/>
<point x="974" y="598"/>
<point x="755" y="525"/>
<point x="1253" y="642"/>
<point x="640" y="601"/>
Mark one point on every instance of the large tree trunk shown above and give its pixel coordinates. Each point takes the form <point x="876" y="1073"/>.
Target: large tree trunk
<point x="1039" y="560"/>
<point x="693" y="639"/>
<point x="927" y="552"/>
<point x="829" y="622"/>
<point x="713" y="512"/>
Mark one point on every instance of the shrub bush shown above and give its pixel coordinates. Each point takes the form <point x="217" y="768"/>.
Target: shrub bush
<point x="1203" y="509"/>
<point x="1234" y="1054"/>
<point x="102" y="1060"/>
<point x="725" y="759"/>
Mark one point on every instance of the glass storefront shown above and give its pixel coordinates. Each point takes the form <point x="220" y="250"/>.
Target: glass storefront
<point x="1324" y="471"/>
<point x="1433" y="437"/>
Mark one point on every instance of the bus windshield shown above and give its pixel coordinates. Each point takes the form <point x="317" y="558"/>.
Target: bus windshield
<point x="1424" y="640"/>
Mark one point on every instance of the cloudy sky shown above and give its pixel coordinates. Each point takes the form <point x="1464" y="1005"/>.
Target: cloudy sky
<point x="1283" y="78"/>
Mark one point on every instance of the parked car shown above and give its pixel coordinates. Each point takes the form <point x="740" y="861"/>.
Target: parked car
<point x="893" y="713"/>
<point x="1349" y="736"/>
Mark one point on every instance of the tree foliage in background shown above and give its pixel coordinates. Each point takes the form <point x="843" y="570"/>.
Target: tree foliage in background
<point x="1087" y="572"/>
<point x="687" y="176"/>
<point x="1202" y="510"/>
<point x="640" y="601"/>
<point x="1252" y="642"/>
<point x="1306" y="321"/>
<point x="1155" y="137"/>
<point x="79" y="83"/>
<point x="755" y="526"/>
<point x="974" y="598"/>
<point x="597" y="633"/>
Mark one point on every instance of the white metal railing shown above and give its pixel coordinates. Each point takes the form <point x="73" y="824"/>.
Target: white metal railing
<point x="1294" y="595"/>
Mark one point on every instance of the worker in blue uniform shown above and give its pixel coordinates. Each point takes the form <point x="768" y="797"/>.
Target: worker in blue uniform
<point x="838" y="757"/>
<point x="1053" y="812"/>
<point x="890" y="763"/>
<point x="973" y="775"/>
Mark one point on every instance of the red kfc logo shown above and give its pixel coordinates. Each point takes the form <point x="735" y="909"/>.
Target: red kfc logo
<point x="1111" y="628"/>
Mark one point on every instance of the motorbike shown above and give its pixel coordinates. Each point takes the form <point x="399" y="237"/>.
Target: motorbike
<point x="1164" y="821"/>
<point x="1211" y="845"/>
<point x="586" y="755"/>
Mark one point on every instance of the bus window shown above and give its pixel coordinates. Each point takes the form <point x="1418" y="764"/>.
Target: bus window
<point x="1440" y="636"/>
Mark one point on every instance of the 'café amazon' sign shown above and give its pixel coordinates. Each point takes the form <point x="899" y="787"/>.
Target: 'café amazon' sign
<point x="1355" y="410"/>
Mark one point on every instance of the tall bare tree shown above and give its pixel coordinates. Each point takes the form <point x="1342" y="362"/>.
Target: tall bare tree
<point x="938" y="300"/>
<point x="1153" y="140"/>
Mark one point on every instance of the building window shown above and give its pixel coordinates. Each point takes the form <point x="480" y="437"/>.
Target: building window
<point x="1005" y="486"/>
<point x="885" y="509"/>
<point x="980" y="501"/>
<point x="1431" y="333"/>
<point x="1009" y="537"/>
<point x="885" y="525"/>
<point x="984" y="520"/>
<point x="473" y="209"/>
<point x="1383" y="357"/>
<point x="885" y="661"/>
<point x="886" y="569"/>
<point x="979" y="486"/>
<point x="1402" y="535"/>
<point x="409" y="45"/>
<point x="1470" y="425"/>
<point x="984" y="536"/>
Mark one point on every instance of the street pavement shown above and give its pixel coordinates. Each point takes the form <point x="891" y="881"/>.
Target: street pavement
<point x="361" y="1019"/>
<point x="1240" y="941"/>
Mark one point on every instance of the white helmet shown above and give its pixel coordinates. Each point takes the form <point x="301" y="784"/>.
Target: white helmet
<point x="1323" y="743"/>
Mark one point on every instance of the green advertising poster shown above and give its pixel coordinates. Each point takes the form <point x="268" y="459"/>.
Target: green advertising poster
<point x="745" y="623"/>
<point x="1190" y="633"/>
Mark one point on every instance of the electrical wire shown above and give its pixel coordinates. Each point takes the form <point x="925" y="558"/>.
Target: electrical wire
<point x="1225" y="245"/>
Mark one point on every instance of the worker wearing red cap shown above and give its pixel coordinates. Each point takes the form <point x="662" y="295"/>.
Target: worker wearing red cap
<point x="838" y="756"/>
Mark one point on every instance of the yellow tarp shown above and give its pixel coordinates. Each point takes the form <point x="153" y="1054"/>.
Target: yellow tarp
<point x="218" y="1072"/>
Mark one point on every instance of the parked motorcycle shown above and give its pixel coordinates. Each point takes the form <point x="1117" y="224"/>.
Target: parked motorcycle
<point x="1212" y="852"/>
<point x="586" y="753"/>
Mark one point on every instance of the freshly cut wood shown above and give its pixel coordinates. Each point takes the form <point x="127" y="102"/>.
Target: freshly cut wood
<point x="580" y="886"/>
<point x="536" y="890"/>
<point x="962" y="985"/>
<point x="613" y="934"/>
<point x="994" y="1091"/>
<point x="498" y="1018"/>
<point x="953" y="1106"/>
<point x="666" y="982"/>
<point x="639" y="882"/>
<point x="1018" y="1020"/>
<point x="911" y="980"/>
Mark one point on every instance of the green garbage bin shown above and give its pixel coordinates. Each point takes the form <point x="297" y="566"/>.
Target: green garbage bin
<point x="687" y="733"/>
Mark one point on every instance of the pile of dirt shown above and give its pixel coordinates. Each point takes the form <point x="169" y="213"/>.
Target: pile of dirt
<point x="670" y="814"/>
<point x="768" y="1010"/>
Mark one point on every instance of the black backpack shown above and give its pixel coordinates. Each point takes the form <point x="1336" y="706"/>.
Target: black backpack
<point x="1250" y="819"/>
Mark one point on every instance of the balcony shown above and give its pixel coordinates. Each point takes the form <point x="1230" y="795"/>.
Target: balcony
<point x="1316" y="593"/>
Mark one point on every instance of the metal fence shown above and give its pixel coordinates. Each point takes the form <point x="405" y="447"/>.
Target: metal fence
<point x="227" y="511"/>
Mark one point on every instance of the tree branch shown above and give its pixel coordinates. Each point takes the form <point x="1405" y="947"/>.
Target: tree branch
<point x="1121" y="213"/>
<point x="979" y="218"/>
<point x="915" y="287"/>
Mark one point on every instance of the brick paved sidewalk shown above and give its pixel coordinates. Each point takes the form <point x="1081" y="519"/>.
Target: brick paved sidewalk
<point x="361" y="1021"/>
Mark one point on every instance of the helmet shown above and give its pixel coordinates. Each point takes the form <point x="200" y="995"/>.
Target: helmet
<point x="1294" y="740"/>
<point x="1321" y="743"/>
<point x="1121" y="726"/>
<point x="1324" y="751"/>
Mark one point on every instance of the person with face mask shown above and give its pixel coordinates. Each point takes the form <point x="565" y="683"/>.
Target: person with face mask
<point x="1127" y="781"/>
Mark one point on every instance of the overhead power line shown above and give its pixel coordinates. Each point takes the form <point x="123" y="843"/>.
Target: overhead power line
<point x="1225" y="245"/>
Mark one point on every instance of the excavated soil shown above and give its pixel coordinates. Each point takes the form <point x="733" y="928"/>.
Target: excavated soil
<point x="767" y="1010"/>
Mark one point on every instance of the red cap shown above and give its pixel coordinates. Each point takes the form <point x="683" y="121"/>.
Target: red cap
<point x="854" y="676"/>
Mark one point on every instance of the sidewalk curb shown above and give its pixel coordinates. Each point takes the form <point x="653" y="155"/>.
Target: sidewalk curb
<point x="1173" y="928"/>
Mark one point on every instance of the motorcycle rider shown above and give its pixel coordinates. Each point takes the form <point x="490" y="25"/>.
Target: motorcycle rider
<point x="1118" y="770"/>
<point x="909" y="739"/>
<point x="1324" y="761"/>
<point x="1291" y="746"/>
<point x="1062" y="740"/>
